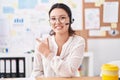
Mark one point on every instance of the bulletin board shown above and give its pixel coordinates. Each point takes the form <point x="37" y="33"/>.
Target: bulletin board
<point x="112" y="32"/>
<point x="104" y="29"/>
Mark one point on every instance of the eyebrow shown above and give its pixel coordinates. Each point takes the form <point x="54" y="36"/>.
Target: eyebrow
<point x="59" y="16"/>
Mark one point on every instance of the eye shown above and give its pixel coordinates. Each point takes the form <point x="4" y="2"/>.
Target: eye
<point x="53" y="18"/>
<point x="63" y="17"/>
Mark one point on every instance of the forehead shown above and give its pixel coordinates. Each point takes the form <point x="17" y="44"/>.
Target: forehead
<point x="58" y="12"/>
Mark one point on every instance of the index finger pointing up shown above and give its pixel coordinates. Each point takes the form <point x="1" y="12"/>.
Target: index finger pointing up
<point x="38" y="40"/>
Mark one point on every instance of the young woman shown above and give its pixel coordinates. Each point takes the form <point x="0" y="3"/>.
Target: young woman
<point x="61" y="54"/>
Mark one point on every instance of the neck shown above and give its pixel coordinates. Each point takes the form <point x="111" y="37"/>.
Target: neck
<point x="61" y="38"/>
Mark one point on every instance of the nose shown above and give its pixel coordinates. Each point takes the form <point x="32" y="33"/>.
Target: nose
<point x="57" y="20"/>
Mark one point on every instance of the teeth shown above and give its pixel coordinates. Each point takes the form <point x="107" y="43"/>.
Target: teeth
<point x="58" y="27"/>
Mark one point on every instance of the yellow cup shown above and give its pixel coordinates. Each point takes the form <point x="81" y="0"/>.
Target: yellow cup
<point x="110" y="72"/>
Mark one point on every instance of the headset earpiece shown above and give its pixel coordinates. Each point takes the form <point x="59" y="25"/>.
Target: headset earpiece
<point x="72" y="20"/>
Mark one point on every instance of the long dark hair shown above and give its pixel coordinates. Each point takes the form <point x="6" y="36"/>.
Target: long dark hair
<point x="67" y="9"/>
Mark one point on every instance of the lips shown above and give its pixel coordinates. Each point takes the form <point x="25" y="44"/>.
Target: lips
<point x="58" y="27"/>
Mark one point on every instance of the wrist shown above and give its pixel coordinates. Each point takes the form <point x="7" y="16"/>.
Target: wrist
<point x="46" y="53"/>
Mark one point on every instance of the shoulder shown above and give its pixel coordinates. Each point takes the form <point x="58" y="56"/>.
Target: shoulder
<point x="78" y="42"/>
<point x="78" y="39"/>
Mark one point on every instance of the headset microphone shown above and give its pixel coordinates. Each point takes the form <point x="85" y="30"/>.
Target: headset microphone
<point x="70" y="22"/>
<point x="67" y="23"/>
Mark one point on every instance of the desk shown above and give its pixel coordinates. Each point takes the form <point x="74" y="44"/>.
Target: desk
<point x="77" y="78"/>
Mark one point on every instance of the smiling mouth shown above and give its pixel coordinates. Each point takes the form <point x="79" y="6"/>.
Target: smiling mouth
<point x="59" y="28"/>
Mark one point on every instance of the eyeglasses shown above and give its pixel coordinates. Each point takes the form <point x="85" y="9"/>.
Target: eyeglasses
<point x="61" y="19"/>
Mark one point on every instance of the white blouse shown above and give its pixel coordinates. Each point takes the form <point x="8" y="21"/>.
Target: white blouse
<point x="65" y="65"/>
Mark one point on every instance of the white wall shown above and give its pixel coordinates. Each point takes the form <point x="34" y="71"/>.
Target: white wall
<point x="104" y="50"/>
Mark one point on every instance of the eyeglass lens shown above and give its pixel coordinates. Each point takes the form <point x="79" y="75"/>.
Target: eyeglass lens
<point x="61" y="19"/>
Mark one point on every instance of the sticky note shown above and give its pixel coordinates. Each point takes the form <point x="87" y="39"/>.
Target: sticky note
<point x="103" y="33"/>
<point x="102" y="1"/>
<point x="8" y="10"/>
<point x="13" y="33"/>
<point x="113" y="25"/>
<point x="97" y="3"/>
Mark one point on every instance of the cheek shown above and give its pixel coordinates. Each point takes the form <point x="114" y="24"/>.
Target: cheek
<point x="66" y="26"/>
<point x="52" y="26"/>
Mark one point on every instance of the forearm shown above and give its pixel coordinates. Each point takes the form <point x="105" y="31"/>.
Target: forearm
<point x="37" y="66"/>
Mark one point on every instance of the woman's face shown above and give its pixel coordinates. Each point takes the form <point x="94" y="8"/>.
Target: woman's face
<point x="59" y="21"/>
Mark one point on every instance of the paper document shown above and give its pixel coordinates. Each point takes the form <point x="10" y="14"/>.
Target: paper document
<point x="110" y="12"/>
<point x="7" y="66"/>
<point x="21" y="66"/>
<point x="13" y="66"/>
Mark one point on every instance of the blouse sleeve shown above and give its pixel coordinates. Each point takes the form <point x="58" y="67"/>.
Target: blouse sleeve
<point x="37" y="65"/>
<point x="68" y="67"/>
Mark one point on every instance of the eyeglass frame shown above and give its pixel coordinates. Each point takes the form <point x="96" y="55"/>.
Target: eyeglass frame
<point x="58" y="19"/>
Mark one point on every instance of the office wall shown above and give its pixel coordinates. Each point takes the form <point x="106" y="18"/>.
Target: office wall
<point x="105" y="45"/>
<point x="104" y="50"/>
<point x="24" y="20"/>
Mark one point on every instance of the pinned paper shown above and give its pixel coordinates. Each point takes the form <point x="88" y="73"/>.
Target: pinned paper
<point x="15" y="5"/>
<point x="60" y="0"/>
<point x="8" y="10"/>
<point x="72" y="3"/>
<point x="105" y="28"/>
<point x="110" y="12"/>
<point x="13" y="33"/>
<point x="103" y="33"/>
<point x="113" y="25"/>
<point x="102" y="1"/>
<point x="97" y="4"/>
<point x="27" y="4"/>
<point x="97" y="33"/>
<point x="92" y="18"/>
<point x="9" y="16"/>
<point x="44" y="1"/>
<point x="90" y="1"/>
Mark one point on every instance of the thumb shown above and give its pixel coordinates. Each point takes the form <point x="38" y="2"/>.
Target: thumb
<point x="47" y="41"/>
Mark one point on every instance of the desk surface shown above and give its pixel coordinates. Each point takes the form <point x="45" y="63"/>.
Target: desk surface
<point x="77" y="78"/>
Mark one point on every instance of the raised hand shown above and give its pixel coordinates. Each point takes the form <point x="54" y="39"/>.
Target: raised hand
<point x="43" y="47"/>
